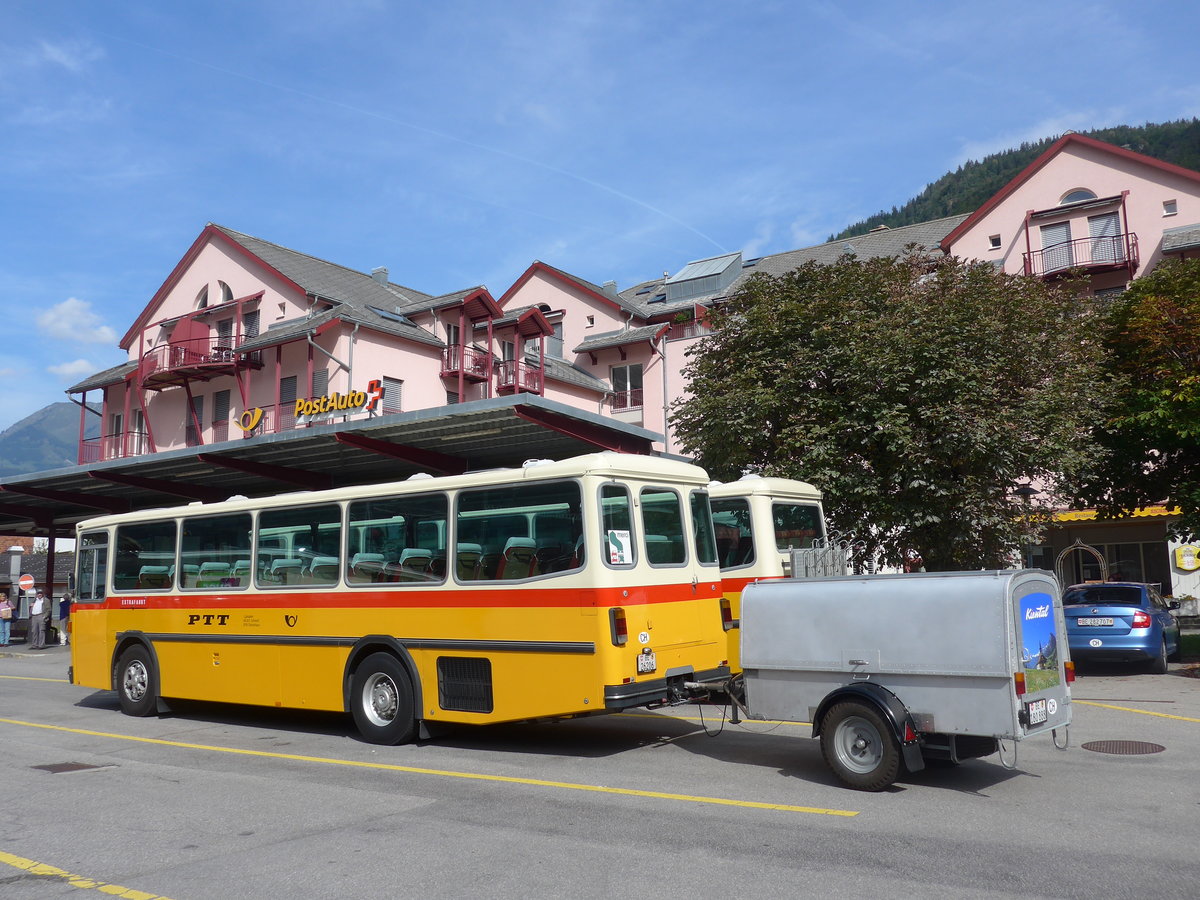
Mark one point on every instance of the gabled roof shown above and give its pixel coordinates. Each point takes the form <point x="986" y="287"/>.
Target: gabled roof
<point x="599" y="293"/>
<point x="305" y="274"/>
<point x="1047" y="155"/>
<point x="295" y="329"/>
<point x="1183" y="237"/>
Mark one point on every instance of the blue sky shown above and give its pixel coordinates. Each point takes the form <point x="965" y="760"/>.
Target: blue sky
<point x="457" y="142"/>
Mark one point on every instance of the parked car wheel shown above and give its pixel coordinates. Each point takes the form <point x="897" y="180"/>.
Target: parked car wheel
<point x="1158" y="665"/>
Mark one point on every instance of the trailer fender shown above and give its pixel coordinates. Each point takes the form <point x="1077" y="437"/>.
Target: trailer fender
<point x="889" y="706"/>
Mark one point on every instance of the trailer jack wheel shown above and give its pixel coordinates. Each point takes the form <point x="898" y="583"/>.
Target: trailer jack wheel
<point x="859" y="747"/>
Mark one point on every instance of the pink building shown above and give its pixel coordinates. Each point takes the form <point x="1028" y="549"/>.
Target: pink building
<point x="247" y="339"/>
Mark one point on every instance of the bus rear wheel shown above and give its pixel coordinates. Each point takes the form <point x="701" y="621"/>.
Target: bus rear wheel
<point x="381" y="700"/>
<point x="137" y="682"/>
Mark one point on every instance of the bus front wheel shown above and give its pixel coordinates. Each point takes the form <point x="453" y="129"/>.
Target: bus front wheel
<point x="137" y="682"/>
<point x="381" y="700"/>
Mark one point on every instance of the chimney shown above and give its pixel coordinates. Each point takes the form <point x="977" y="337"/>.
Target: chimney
<point x="610" y="287"/>
<point x="380" y="274"/>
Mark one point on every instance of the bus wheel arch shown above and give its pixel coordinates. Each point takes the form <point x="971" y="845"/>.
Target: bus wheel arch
<point x="382" y="692"/>
<point x="136" y="677"/>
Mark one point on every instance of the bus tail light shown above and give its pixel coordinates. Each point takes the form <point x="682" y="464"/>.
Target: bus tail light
<point x="726" y="613"/>
<point x="1069" y="668"/>
<point x="1019" y="683"/>
<point x="616" y="622"/>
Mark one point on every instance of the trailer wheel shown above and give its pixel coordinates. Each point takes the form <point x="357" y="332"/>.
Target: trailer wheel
<point x="859" y="747"/>
<point x="381" y="700"/>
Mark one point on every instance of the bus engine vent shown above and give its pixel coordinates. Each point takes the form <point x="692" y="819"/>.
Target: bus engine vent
<point x="465" y="683"/>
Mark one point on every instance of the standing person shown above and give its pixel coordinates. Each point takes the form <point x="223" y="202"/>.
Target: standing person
<point x="39" y="612"/>
<point x="6" y="616"/>
<point x="64" y="617"/>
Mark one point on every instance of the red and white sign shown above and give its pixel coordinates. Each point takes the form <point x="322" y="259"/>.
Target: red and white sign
<point x="26" y="582"/>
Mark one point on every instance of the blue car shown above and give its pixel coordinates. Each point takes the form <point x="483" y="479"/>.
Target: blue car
<point x="1121" y="621"/>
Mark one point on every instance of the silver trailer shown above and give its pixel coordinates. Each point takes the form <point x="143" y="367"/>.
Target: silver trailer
<point x="892" y="670"/>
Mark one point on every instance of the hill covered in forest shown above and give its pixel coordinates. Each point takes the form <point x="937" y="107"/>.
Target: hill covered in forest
<point x="965" y="189"/>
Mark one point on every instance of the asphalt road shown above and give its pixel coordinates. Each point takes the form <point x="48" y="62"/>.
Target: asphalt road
<point x="223" y="802"/>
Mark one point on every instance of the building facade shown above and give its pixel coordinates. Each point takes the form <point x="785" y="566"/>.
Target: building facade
<point x="247" y="339"/>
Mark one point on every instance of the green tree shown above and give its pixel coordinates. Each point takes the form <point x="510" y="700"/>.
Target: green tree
<point x="916" y="393"/>
<point x="1152" y="432"/>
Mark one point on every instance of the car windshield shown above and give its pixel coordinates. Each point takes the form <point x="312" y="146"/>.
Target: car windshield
<point x="1103" y="595"/>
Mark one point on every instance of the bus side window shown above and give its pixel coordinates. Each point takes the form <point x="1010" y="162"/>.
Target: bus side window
<point x="403" y="540"/>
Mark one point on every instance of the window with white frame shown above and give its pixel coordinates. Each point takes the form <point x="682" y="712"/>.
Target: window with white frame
<point x="392" y="395"/>
<point x="627" y="386"/>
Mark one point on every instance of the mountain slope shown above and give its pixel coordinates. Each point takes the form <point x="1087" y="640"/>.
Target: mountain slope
<point x="965" y="189"/>
<point x="46" y="439"/>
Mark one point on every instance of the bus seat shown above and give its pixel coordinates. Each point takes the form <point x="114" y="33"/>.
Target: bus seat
<point x="323" y="569"/>
<point x="284" y="571"/>
<point x="577" y="557"/>
<point x="241" y="570"/>
<point x="552" y="556"/>
<point x="414" y="563"/>
<point x="366" y="565"/>
<point x="437" y="566"/>
<point x="466" y="563"/>
<point x="191" y="574"/>
<point x="519" y="559"/>
<point x="211" y="573"/>
<point x="154" y="577"/>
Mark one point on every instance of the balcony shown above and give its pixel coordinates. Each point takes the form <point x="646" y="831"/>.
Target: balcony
<point x="682" y="331"/>
<point x="1090" y="254"/>
<point x="623" y="400"/>
<point x="474" y="364"/>
<point x="513" y="376"/>
<point x="197" y="359"/>
<point x="113" y="446"/>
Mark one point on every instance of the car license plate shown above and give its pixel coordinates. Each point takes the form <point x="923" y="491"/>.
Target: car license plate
<point x="1035" y="712"/>
<point x="1084" y="621"/>
<point x="646" y="663"/>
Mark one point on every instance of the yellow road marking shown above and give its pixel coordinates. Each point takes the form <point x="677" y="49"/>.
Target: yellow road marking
<point x="43" y="870"/>
<point x="31" y="678"/>
<point x="445" y="773"/>
<point x="1144" y="712"/>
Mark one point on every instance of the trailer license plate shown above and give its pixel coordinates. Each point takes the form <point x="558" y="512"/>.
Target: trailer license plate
<point x="1086" y="621"/>
<point x="646" y="663"/>
<point x="1036" y="712"/>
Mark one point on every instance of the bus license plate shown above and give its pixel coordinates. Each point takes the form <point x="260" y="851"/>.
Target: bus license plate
<point x="1036" y="712"/>
<point x="646" y="663"/>
<point x="1083" y="621"/>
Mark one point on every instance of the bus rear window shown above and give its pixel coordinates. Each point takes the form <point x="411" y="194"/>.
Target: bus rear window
<point x="662" y="527"/>
<point x="735" y="537"/>
<point x="797" y="525"/>
<point x="702" y="527"/>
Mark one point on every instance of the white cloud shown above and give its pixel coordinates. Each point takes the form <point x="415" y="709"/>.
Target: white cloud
<point x="74" y="370"/>
<point x="73" y="320"/>
<point x="71" y="55"/>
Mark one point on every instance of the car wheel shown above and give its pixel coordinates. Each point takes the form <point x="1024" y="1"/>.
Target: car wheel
<point x="859" y="747"/>
<point x="1158" y="665"/>
<point x="137" y="682"/>
<point x="381" y="700"/>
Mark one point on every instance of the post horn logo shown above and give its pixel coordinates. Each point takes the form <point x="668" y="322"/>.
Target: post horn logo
<point x="291" y="620"/>
<point x="250" y="419"/>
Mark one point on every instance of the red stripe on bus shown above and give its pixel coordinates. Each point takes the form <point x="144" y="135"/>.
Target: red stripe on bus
<point x="511" y="598"/>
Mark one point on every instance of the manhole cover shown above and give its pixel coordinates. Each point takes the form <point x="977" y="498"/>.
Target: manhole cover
<point x="59" y="768"/>
<point x="1124" y="748"/>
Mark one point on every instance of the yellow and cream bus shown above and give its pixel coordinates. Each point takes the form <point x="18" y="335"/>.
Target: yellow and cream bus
<point x="758" y="522"/>
<point x="558" y="589"/>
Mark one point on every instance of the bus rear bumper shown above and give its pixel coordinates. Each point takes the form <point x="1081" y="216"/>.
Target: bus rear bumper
<point x="659" y="691"/>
